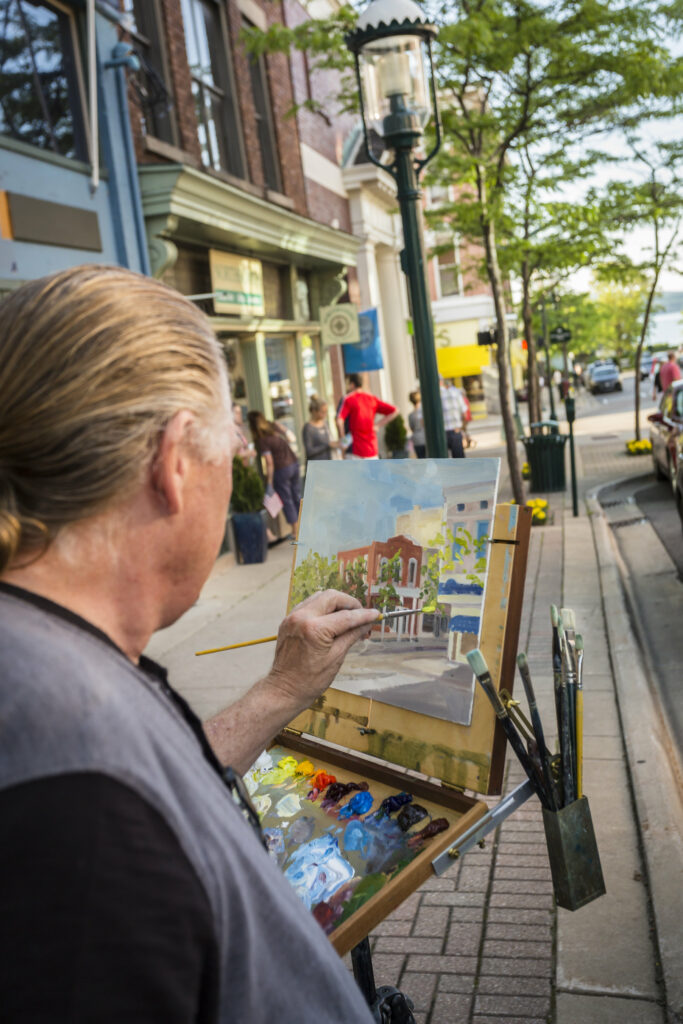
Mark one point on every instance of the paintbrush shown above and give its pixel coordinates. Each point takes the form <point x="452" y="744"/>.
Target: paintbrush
<point x="579" y="717"/>
<point x="480" y="669"/>
<point x="557" y="661"/>
<point x="538" y="729"/>
<point x="569" y="658"/>
<point x="271" y="639"/>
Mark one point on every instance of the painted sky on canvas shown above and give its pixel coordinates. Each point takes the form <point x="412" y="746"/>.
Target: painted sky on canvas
<point x="358" y="501"/>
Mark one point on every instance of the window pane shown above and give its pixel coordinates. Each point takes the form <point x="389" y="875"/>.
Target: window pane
<point x="208" y="60"/>
<point x="150" y="87"/>
<point x="448" y="278"/>
<point x="264" y="124"/>
<point x="39" y="98"/>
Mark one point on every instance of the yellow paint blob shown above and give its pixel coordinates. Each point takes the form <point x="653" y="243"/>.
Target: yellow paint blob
<point x="305" y="768"/>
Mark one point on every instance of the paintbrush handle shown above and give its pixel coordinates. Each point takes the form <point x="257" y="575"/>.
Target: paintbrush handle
<point x="566" y="747"/>
<point x="579" y="743"/>
<point x="232" y="647"/>
<point x="538" y="730"/>
<point x="514" y="737"/>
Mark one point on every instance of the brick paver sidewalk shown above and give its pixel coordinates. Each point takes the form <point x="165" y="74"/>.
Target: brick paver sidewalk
<point x="480" y="944"/>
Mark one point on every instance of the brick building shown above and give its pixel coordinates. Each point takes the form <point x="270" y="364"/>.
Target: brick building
<point x="407" y="582"/>
<point x="243" y="204"/>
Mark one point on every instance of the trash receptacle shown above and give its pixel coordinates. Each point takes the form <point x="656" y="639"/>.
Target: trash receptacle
<point x="545" y="455"/>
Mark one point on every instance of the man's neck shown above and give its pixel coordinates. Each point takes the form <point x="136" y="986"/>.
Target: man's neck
<point x="93" y="582"/>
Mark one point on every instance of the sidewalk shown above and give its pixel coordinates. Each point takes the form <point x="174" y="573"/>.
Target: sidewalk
<point x="485" y="943"/>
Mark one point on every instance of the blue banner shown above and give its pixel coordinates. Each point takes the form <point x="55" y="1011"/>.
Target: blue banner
<point x="367" y="353"/>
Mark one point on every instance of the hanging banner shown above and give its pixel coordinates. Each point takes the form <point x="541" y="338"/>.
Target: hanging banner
<point x="237" y="284"/>
<point x="367" y="353"/>
<point x="339" y="324"/>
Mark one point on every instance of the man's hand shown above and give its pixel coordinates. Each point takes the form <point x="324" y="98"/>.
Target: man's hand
<point x="313" y="641"/>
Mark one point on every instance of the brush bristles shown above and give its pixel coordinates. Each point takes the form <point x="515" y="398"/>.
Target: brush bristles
<point x="579" y="642"/>
<point x="554" y="615"/>
<point x="568" y="618"/>
<point x="477" y="663"/>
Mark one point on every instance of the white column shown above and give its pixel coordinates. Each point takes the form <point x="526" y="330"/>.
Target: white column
<point x="371" y="296"/>
<point x="397" y="342"/>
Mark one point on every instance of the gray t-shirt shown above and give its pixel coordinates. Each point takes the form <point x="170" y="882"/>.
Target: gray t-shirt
<point x="71" y="702"/>
<point x="416" y="423"/>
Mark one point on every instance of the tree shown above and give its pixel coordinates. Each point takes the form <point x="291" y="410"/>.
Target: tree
<point x="315" y="573"/>
<point x="513" y="74"/>
<point x="654" y="203"/>
<point x="387" y="596"/>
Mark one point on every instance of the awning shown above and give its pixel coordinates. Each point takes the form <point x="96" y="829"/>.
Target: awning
<point x="462" y="360"/>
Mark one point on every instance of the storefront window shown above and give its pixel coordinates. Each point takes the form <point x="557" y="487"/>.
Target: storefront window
<point x="280" y="375"/>
<point x="311" y="368"/>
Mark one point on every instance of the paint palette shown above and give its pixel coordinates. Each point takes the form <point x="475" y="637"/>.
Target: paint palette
<point x="346" y="841"/>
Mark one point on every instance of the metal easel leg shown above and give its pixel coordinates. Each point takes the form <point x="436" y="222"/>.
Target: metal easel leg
<point x="388" y="1005"/>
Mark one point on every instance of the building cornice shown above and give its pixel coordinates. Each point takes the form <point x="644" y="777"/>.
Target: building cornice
<point x="369" y="176"/>
<point x="215" y="212"/>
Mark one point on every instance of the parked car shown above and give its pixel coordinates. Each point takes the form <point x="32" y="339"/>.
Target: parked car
<point x="605" y="376"/>
<point x="678" y="484"/>
<point x="666" y="427"/>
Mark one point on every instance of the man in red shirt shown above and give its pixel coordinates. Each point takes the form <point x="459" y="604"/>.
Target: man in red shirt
<point x="357" y="416"/>
<point x="668" y="373"/>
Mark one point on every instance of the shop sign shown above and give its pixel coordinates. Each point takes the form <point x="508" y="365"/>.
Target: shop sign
<point x="367" y="353"/>
<point x="237" y="284"/>
<point x="339" y="324"/>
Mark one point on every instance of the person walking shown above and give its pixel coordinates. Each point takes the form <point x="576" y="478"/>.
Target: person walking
<point x="416" y="424"/>
<point x="454" y="409"/>
<point x="357" y="415"/>
<point x="318" y="443"/>
<point x="669" y="371"/>
<point x="134" y="884"/>
<point x="283" y="474"/>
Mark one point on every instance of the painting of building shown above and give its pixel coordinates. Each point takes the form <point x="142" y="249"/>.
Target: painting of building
<point x="407" y="535"/>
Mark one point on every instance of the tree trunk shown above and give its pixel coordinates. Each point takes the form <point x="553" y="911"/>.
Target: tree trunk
<point x="639" y="350"/>
<point x="503" y="359"/>
<point x="534" y="390"/>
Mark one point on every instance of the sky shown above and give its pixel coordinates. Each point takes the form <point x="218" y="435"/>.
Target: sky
<point x="349" y="503"/>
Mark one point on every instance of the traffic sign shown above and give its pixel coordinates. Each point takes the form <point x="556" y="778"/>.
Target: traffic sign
<point x="560" y="336"/>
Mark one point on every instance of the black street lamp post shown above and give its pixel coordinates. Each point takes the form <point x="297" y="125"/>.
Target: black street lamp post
<point x="390" y="43"/>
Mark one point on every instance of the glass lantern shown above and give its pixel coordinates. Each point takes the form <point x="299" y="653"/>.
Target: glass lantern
<point x="393" y="79"/>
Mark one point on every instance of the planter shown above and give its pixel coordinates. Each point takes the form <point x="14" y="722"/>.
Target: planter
<point x="251" y="542"/>
<point x="401" y="453"/>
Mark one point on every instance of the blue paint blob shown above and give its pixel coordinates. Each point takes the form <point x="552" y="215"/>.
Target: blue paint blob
<point x="464" y="624"/>
<point x="357" y="837"/>
<point x="358" y="804"/>
<point x="317" y="870"/>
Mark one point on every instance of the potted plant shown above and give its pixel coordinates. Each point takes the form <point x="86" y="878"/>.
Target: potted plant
<point x="395" y="437"/>
<point x="248" y="514"/>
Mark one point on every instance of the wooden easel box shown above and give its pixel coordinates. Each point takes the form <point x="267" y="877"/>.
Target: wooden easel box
<point x="434" y="760"/>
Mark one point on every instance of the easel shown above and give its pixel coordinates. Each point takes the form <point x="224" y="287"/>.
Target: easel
<point x="462" y="757"/>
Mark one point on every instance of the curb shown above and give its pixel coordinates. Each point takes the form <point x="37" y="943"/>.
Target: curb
<point x="653" y="775"/>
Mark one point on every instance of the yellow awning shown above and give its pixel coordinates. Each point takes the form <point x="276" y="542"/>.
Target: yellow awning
<point x="462" y="360"/>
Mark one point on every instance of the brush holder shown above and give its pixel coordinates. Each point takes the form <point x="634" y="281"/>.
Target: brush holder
<point x="573" y="854"/>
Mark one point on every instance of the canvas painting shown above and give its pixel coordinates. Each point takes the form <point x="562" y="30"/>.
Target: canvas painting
<point x="408" y="536"/>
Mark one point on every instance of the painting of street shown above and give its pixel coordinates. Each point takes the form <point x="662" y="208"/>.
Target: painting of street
<point x="403" y="535"/>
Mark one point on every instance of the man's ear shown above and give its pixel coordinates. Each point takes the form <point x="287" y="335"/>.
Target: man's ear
<point x="169" y="469"/>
